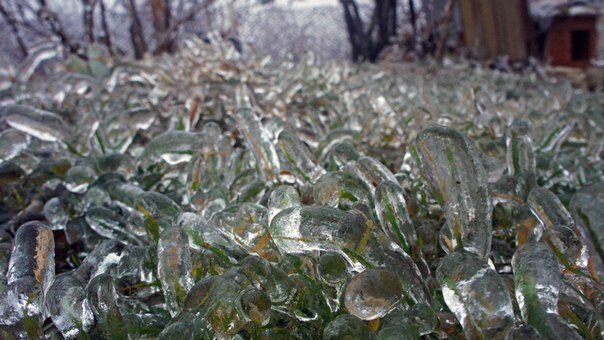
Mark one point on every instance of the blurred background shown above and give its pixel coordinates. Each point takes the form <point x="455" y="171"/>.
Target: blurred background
<point x="559" y="33"/>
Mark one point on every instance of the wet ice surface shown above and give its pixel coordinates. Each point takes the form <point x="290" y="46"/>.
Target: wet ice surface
<point x="203" y="195"/>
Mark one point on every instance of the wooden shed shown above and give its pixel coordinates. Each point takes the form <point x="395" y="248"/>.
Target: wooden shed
<point x="495" y="28"/>
<point x="572" y="36"/>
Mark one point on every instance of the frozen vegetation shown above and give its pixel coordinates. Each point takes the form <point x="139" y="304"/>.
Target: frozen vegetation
<point x="208" y="196"/>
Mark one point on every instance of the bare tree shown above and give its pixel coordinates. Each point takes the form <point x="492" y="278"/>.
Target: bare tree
<point x="51" y="19"/>
<point x="413" y="20"/>
<point x="367" y="41"/>
<point x="12" y="22"/>
<point x="436" y="30"/>
<point x="106" y="36"/>
<point x="167" y="37"/>
<point x="160" y="10"/>
<point x="137" y="34"/>
<point x="36" y="19"/>
<point x="88" y="19"/>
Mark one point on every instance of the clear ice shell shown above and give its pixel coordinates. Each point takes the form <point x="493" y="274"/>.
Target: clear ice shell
<point x="12" y="142"/>
<point x="308" y="228"/>
<point x="174" y="267"/>
<point x="281" y="198"/>
<point x="102" y="296"/>
<point x="259" y="142"/>
<point x="373" y="293"/>
<point x="370" y="172"/>
<point x="523" y="332"/>
<point x="55" y="214"/>
<point x="247" y="225"/>
<point x="78" y="178"/>
<point x="33" y="254"/>
<point x="327" y="190"/>
<point x="401" y="331"/>
<point x="21" y="298"/>
<point x="567" y="246"/>
<point x="41" y="124"/>
<point x="586" y="206"/>
<point x="391" y="210"/>
<point x="296" y="159"/>
<point x="158" y="211"/>
<point x="101" y="260"/>
<point x="520" y="155"/>
<point x="67" y="307"/>
<point x="173" y="147"/>
<point x="216" y="301"/>
<point x="454" y="170"/>
<point x="538" y="281"/>
<point x="108" y="223"/>
<point x="548" y="208"/>
<point x="346" y="326"/>
<point x="476" y="294"/>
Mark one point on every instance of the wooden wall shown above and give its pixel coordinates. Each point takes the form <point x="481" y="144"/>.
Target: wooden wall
<point x="497" y="27"/>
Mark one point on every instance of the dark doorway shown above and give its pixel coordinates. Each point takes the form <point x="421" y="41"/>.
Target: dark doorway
<point x="579" y="42"/>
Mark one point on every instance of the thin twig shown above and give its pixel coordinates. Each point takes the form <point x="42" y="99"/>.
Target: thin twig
<point x="136" y="31"/>
<point x="106" y="33"/>
<point x="165" y="39"/>
<point x="88" y="19"/>
<point x="54" y="24"/>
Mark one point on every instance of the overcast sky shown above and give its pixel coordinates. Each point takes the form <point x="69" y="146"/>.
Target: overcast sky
<point x="303" y="3"/>
<point x="310" y="3"/>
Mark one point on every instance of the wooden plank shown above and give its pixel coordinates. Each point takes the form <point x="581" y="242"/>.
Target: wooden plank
<point x="502" y="14"/>
<point x="512" y="31"/>
<point x="469" y="22"/>
<point x="496" y="27"/>
<point x="488" y="28"/>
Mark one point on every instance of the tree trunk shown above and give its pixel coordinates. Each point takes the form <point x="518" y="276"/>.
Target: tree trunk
<point x="365" y="45"/>
<point x="89" y="19"/>
<point x="106" y="38"/>
<point x="136" y="32"/>
<point x="160" y="9"/>
<point x="167" y="36"/>
<point x="413" y="19"/>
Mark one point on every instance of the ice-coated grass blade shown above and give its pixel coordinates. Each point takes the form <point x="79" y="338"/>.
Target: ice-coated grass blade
<point x="454" y="171"/>
<point x="476" y="294"/>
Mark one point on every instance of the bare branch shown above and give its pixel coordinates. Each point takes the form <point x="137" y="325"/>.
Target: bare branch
<point x="167" y="36"/>
<point x="136" y="31"/>
<point x="160" y="10"/>
<point x="54" y="24"/>
<point x="364" y="45"/>
<point x="13" y="26"/>
<point x="88" y="19"/>
<point x="162" y="15"/>
<point x="356" y="33"/>
<point x="106" y="33"/>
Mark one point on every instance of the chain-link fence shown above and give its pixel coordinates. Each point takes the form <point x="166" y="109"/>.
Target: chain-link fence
<point x="280" y="29"/>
